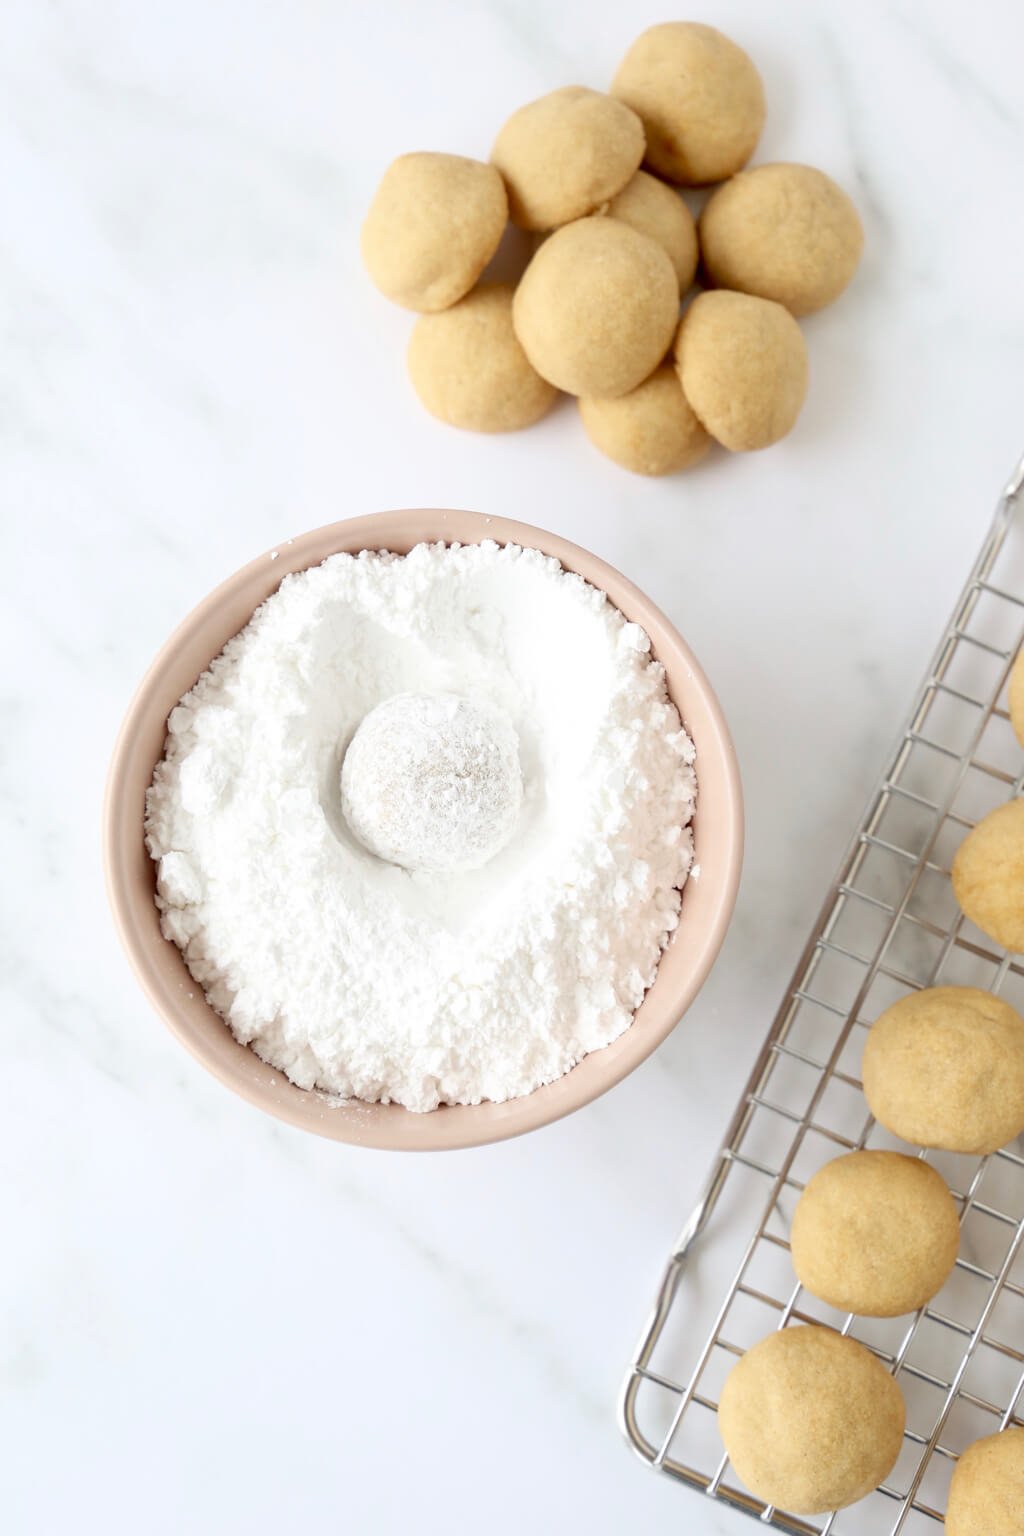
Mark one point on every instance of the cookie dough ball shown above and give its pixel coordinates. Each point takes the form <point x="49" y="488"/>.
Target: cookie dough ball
<point x="596" y="308"/>
<point x="700" y="99"/>
<point x="988" y="875"/>
<point x="743" y="367"/>
<point x="1016" y="698"/>
<point x="812" y="1421"/>
<point x="432" y="781"/>
<point x="783" y="232"/>
<point x="944" y="1067"/>
<point x="469" y="370"/>
<point x="651" y="430"/>
<point x="875" y="1233"/>
<point x="433" y="225"/>
<point x="986" y="1496"/>
<point x="565" y="154"/>
<point x="646" y="204"/>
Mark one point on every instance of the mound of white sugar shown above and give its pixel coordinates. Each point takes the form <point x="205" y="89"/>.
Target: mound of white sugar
<point x="370" y="980"/>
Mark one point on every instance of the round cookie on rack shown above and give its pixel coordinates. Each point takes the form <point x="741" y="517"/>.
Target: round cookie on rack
<point x="986" y="1496"/>
<point x="988" y="875"/>
<point x="875" y="1233"/>
<point x="944" y="1067"/>
<point x="1016" y="697"/>
<point x="811" y="1420"/>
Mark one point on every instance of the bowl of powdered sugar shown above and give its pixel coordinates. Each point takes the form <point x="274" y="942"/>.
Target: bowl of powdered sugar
<point x="423" y="830"/>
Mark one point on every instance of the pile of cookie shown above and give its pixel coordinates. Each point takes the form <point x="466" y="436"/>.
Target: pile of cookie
<point x="812" y="1421"/>
<point x="596" y="313"/>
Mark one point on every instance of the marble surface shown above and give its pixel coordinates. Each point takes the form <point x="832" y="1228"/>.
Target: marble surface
<point x="214" y="1323"/>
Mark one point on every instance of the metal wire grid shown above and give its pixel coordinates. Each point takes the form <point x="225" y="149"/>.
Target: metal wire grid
<point x="889" y="924"/>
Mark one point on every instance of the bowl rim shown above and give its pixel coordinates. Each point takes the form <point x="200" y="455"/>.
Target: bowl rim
<point x="393" y="1127"/>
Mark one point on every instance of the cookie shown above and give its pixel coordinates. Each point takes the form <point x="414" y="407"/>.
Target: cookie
<point x="742" y="363"/>
<point x="986" y="1496"/>
<point x="700" y="99"/>
<point x="812" y="1421"/>
<point x="596" y="307"/>
<point x="944" y="1067"/>
<point x="875" y="1233"/>
<point x="434" y="224"/>
<point x="468" y="368"/>
<point x="651" y="430"/>
<point x="647" y="204"/>
<point x="988" y="875"/>
<point x="565" y="154"/>
<point x="782" y="232"/>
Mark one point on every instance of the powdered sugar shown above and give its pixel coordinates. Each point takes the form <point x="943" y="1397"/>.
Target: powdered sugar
<point x="371" y="981"/>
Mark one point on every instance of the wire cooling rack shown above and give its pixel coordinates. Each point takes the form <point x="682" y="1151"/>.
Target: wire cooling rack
<point x="889" y="924"/>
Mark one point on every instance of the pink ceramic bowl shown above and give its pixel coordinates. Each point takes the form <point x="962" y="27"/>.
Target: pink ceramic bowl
<point x="707" y="901"/>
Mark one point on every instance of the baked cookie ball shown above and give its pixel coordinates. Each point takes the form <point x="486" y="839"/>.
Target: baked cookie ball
<point x="646" y="204"/>
<point x="700" y="99"/>
<point x="988" y="875"/>
<point x="783" y="232"/>
<point x="469" y="370"/>
<point x="986" y="1496"/>
<point x="875" y="1233"/>
<point x="743" y="367"/>
<point x="944" y="1067"/>
<point x="596" y="307"/>
<point x="651" y="430"/>
<point x="433" y="225"/>
<point x="1016" y="698"/>
<point x="565" y="154"/>
<point x="812" y="1421"/>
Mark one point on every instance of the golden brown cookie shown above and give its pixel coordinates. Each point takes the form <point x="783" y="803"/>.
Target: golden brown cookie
<point x="1016" y="698"/>
<point x="700" y="98"/>
<point x="875" y="1233"/>
<point x="988" y="875"/>
<point x="565" y="154"/>
<point x="743" y="367"/>
<point x="596" y="307"/>
<point x="469" y="370"/>
<point x="647" y="204"/>
<point x="812" y="1421"/>
<point x="651" y="430"/>
<point x="434" y="224"/>
<point x="986" y="1496"/>
<point x="944" y="1067"/>
<point x="783" y="232"/>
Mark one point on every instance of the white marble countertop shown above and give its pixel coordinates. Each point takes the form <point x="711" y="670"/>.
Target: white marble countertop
<point x="212" y="1322"/>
